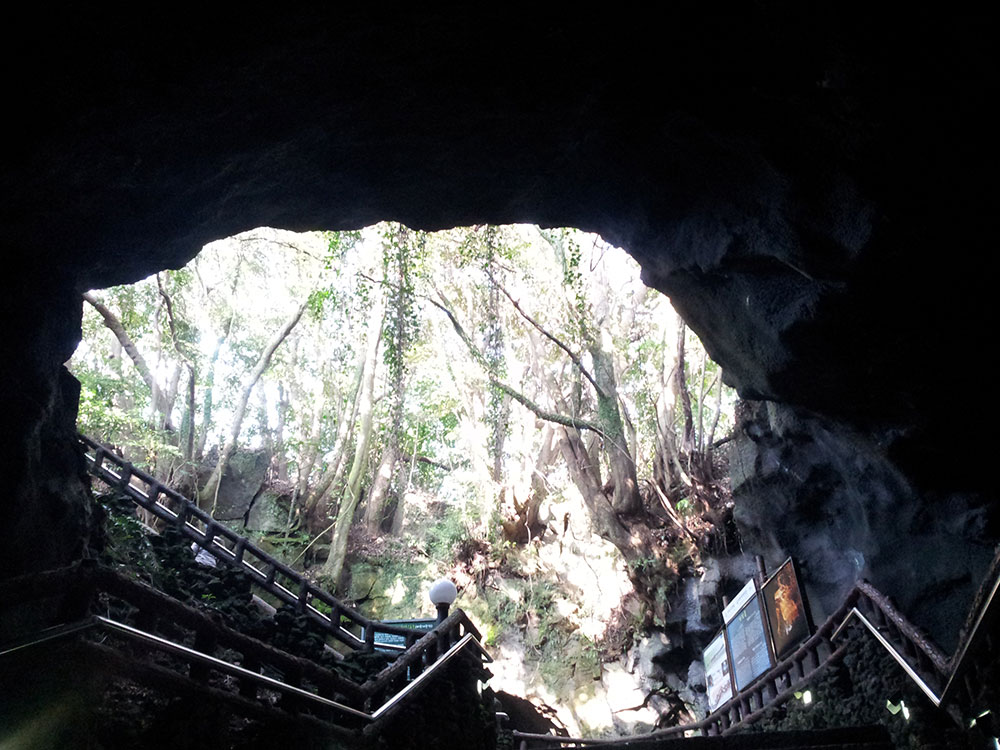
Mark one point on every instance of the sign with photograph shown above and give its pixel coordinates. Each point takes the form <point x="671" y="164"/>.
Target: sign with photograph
<point x="747" y="636"/>
<point x="718" y="680"/>
<point x="785" y="609"/>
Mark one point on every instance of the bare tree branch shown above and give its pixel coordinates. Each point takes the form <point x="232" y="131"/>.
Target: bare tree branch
<point x="572" y="355"/>
<point x="210" y="490"/>
<point x="172" y="323"/>
<point x="539" y="412"/>
<point x="116" y="327"/>
<point x="189" y="361"/>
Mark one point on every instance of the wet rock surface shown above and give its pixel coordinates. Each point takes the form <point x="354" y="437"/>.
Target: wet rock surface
<point x="831" y="499"/>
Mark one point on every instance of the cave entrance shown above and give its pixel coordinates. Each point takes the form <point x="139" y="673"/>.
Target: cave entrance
<point x="503" y="405"/>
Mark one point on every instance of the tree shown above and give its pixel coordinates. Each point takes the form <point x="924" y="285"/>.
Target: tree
<point x="334" y="565"/>
<point x="208" y="494"/>
<point x="399" y="249"/>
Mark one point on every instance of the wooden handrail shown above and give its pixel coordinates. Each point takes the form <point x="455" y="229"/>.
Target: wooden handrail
<point x="739" y="712"/>
<point x="208" y="630"/>
<point x="267" y="576"/>
<point x="983" y="616"/>
<point x="911" y="632"/>
<point x="145" y="598"/>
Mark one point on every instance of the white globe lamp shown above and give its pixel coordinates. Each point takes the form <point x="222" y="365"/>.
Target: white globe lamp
<point x="442" y="595"/>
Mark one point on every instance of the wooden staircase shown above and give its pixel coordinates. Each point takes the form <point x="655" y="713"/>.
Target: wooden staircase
<point x="164" y="642"/>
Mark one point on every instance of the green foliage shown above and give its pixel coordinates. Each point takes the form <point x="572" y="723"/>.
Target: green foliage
<point x="444" y="537"/>
<point x="402" y="251"/>
<point x="125" y="544"/>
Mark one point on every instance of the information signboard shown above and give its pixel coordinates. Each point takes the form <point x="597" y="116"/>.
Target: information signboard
<point x="392" y="639"/>
<point x="748" y="646"/>
<point x="786" y="611"/>
<point x="718" y="677"/>
<point x="738" y="602"/>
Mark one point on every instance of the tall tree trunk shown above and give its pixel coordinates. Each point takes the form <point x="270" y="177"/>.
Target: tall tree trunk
<point x="206" y="408"/>
<point x="190" y="411"/>
<point x="626" y="498"/>
<point x="316" y="508"/>
<point x="207" y="495"/>
<point x="334" y="565"/>
<point x="399" y="511"/>
<point x="700" y="434"/>
<point x="114" y="325"/>
<point x="679" y="374"/>
<point x="310" y="448"/>
<point x="280" y="455"/>
<point x="602" y="514"/>
<point x="668" y="469"/>
<point x="375" y="509"/>
<point x="169" y="398"/>
<point x="400" y="308"/>
<point x="264" y="425"/>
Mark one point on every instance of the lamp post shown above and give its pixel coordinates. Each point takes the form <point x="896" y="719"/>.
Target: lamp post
<point x="442" y="594"/>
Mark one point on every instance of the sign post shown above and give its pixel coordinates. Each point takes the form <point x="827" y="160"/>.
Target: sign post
<point x="759" y="627"/>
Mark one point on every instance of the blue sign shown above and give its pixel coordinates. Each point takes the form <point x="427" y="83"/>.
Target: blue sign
<point x="748" y="645"/>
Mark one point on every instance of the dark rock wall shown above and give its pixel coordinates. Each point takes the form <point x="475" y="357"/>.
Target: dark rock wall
<point x="807" y="183"/>
<point x="829" y="497"/>
<point x="45" y="506"/>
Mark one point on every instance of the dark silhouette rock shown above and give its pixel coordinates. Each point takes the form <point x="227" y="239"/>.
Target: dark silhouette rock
<point x="809" y="184"/>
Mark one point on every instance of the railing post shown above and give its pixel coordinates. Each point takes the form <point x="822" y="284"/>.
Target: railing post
<point x="125" y="477"/>
<point x="303" y="596"/>
<point x="210" y="530"/>
<point x="293" y="677"/>
<point x="248" y="687"/>
<point x="204" y="641"/>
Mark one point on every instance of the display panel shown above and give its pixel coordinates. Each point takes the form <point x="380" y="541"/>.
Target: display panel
<point x="786" y="611"/>
<point x="748" y="644"/>
<point x="738" y="602"/>
<point x="718" y="679"/>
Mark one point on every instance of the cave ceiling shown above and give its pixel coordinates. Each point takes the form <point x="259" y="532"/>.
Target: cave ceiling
<point x="807" y="183"/>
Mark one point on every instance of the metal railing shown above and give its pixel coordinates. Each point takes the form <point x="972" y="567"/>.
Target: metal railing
<point x="935" y="674"/>
<point x="965" y="680"/>
<point x="271" y="575"/>
<point x="244" y="675"/>
<point x="916" y="654"/>
<point x="304" y="684"/>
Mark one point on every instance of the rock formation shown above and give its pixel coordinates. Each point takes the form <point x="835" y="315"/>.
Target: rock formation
<point x="806" y="182"/>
